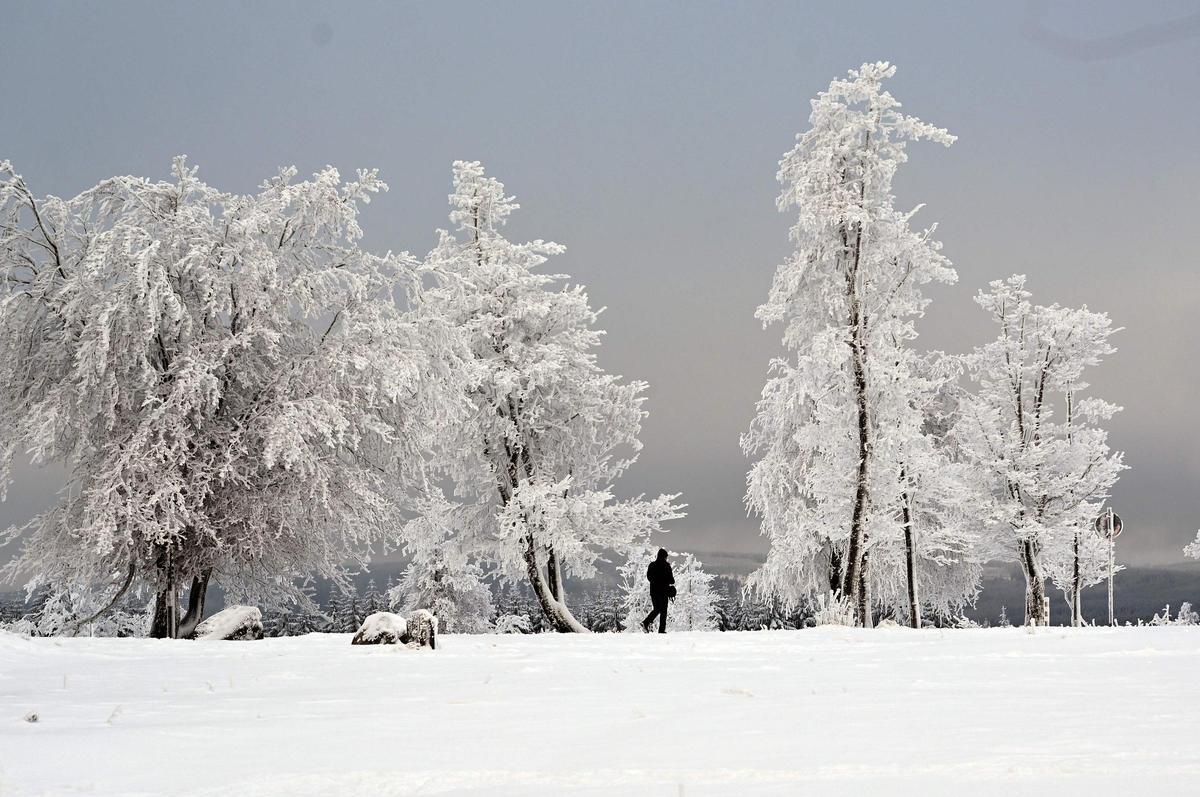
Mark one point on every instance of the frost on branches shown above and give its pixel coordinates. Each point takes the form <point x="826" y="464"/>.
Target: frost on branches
<point x="841" y="459"/>
<point x="695" y="605"/>
<point x="227" y="379"/>
<point x="1036" y="441"/>
<point x="550" y="431"/>
<point x="441" y="577"/>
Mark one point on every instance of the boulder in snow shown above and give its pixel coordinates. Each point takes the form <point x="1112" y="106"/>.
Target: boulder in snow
<point x="418" y="630"/>
<point x="234" y="622"/>
<point x="422" y="629"/>
<point x="382" y="628"/>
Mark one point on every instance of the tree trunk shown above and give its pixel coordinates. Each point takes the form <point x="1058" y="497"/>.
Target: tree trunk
<point x="166" y="601"/>
<point x="556" y="612"/>
<point x="863" y="596"/>
<point x="553" y="577"/>
<point x="166" y="614"/>
<point x="835" y="570"/>
<point x="858" y="518"/>
<point x="910" y="560"/>
<point x="1035" y="585"/>
<point x="1076" y="588"/>
<point x="195" y="612"/>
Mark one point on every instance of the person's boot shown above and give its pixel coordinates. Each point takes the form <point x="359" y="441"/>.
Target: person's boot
<point x="645" y="626"/>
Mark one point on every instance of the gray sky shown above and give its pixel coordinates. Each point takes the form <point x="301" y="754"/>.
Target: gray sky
<point x="645" y="137"/>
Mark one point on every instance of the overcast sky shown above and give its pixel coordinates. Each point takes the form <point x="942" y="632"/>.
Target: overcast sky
<point x="645" y="136"/>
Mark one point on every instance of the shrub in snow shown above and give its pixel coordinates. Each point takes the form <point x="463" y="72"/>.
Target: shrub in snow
<point x="513" y="624"/>
<point x="1185" y="616"/>
<point x="832" y="609"/>
<point x="233" y="623"/>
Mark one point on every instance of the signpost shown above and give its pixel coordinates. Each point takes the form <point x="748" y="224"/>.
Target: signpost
<point x="1108" y="526"/>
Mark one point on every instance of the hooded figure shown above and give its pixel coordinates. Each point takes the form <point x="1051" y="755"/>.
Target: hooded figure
<point x="662" y="584"/>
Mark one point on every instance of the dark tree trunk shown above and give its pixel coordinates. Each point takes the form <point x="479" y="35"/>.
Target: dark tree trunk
<point x="166" y="602"/>
<point x="910" y="558"/>
<point x="858" y="360"/>
<point x="835" y="570"/>
<point x="1035" y="585"/>
<point x="195" y="611"/>
<point x="863" y="597"/>
<point x="1076" y="588"/>
<point x="553" y="579"/>
<point x="166" y="614"/>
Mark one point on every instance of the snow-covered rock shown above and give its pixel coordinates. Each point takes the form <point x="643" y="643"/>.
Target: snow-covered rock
<point x="422" y="629"/>
<point x="382" y="628"/>
<point x="418" y="630"/>
<point x="234" y="622"/>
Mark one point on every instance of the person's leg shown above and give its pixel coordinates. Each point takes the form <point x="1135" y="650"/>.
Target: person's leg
<point x="650" y="617"/>
<point x="661" y="608"/>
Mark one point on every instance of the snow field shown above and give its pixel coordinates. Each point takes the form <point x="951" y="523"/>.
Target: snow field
<point x="887" y="711"/>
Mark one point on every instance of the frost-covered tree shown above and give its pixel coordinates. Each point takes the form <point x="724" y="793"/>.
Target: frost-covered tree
<point x="696" y="600"/>
<point x="1039" y="448"/>
<point x="344" y="613"/>
<point x="550" y="430"/>
<point x="442" y="578"/>
<point x="847" y="298"/>
<point x="229" y="381"/>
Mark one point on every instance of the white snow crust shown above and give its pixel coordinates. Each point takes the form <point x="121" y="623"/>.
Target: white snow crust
<point x="852" y="711"/>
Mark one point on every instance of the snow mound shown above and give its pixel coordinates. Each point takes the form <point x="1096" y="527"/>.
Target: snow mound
<point x="235" y="622"/>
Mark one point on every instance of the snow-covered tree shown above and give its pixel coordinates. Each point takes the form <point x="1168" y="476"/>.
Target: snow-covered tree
<point x="1039" y="448"/>
<point x="344" y="613"/>
<point x="847" y="298"/>
<point x="695" y="605"/>
<point x="442" y="578"/>
<point x="551" y="431"/>
<point x="229" y="381"/>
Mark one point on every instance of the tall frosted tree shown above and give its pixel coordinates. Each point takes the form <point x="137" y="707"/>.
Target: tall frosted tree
<point x="550" y="431"/>
<point x="847" y="298"/>
<point x="227" y="379"/>
<point x="1036" y="438"/>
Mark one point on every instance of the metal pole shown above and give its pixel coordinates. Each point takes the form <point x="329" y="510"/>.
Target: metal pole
<point x="1112" y="547"/>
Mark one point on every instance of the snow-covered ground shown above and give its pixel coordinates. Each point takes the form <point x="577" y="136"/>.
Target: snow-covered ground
<point x="889" y="711"/>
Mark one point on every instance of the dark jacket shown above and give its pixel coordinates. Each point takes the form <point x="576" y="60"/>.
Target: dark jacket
<point x="660" y="577"/>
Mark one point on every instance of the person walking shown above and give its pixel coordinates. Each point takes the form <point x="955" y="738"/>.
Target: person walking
<point x="662" y="589"/>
